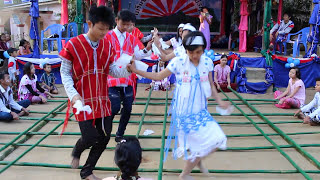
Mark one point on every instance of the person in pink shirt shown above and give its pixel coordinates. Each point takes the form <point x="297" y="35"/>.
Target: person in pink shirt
<point x="295" y="94"/>
<point x="128" y="155"/>
<point x="222" y="76"/>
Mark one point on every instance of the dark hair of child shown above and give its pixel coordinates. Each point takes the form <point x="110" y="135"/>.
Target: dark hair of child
<point x="298" y="73"/>
<point x="126" y="16"/>
<point x="101" y="14"/>
<point x="27" y="69"/>
<point x="190" y="37"/>
<point x="128" y="155"/>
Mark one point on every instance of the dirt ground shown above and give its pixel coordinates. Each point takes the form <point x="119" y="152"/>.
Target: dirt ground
<point x="258" y="159"/>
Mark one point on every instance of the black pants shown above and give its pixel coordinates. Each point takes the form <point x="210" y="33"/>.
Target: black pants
<point x="96" y="137"/>
<point x="118" y="95"/>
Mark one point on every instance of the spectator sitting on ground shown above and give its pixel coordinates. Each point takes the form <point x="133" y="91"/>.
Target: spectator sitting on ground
<point x="9" y="109"/>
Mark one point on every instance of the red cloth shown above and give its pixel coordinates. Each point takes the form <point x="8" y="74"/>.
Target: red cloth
<point x="224" y="87"/>
<point x="243" y="27"/>
<point x="101" y="2"/>
<point x="93" y="88"/>
<point x="10" y="64"/>
<point x="137" y="33"/>
<point x="280" y="10"/>
<point x="128" y="48"/>
<point x="64" y="12"/>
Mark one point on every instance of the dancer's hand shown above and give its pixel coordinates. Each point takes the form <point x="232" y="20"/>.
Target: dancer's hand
<point x="131" y="67"/>
<point x="75" y="98"/>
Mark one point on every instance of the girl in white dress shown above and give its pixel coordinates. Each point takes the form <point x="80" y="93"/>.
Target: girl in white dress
<point x="195" y="130"/>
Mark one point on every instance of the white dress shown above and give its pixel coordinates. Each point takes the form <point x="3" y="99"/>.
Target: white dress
<point x="191" y="123"/>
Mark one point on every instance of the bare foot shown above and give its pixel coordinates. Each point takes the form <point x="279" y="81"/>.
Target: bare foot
<point x="92" y="177"/>
<point x="75" y="163"/>
<point x="185" y="177"/>
<point x="22" y="113"/>
<point x="202" y="168"/>
<point x="300" y="116"/>
<point x="306" y="121"/>
<point x="313" y="123"/>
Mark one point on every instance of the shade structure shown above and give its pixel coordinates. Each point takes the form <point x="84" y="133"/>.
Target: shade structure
<point x="34" y="31"/>
<point x="64" y="12"/>
<point x="243" y="27"/>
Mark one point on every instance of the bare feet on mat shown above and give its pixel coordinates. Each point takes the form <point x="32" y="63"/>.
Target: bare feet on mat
<point x="75" y="163"/>
<point x="92" y="177"/>
<point x="202" y="168"/>
<point x="185" y="177"/>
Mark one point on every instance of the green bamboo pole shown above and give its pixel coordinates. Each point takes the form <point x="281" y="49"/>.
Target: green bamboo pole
<point x="28" y="129"/>
<point x="143" y="115"/>
<point x="63" y="166"/>
<point x="282" y="134"/>
<point x="152" y="136"/>
<point x="33" y="146"/>
<point x="163" y="137"/>
<point x="224" y="99"/>
<point x="270" y="140"/>
<point x="159" y="149"/>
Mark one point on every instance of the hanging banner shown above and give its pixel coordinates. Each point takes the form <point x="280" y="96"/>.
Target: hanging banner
<point x="173" y="12"/>
<point x="25" y="1"/>
<point x="7" y="1"/>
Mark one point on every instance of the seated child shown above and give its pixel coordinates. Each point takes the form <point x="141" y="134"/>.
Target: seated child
<point x="24" y="47"/>
<point x="295" y="94"/>
<point x="29" y="87"/>
<point x="222" y="75"/>
<point x="13" y="70"/>
<point x="9" y="109"/>
<point x="128" y="155"/>
<point x="48" y="80"/>
<point x="311" y="111"/>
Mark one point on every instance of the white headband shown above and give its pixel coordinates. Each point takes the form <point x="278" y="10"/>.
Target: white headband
<point x="180" y="26"/>
<point x="189" y="27"/>
<point x="197" y="40"/>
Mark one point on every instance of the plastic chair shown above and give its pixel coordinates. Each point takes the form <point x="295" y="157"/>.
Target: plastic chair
<point x="302" y="39"/>
<point x="72" y="31"/>
<point x="54" y="29"/>
<point x="85" y="27"/>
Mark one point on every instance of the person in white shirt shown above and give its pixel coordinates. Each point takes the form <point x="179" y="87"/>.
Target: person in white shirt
<point x="9" y="109"/>
<point x="311" y="111"/>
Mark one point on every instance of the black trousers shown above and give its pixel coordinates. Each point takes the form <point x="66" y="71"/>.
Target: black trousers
<point x="97" y="137"/>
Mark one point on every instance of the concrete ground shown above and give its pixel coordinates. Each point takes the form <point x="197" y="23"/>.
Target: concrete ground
<point x="257" y="159"/>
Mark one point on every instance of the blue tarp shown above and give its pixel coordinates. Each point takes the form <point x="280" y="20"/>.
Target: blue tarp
<point x="309" y="71"/>
<point x="248" y="87"/>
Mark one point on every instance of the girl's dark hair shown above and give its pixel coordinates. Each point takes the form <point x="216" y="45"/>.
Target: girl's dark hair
<point x="204" y="7"/>
<point x="22" y="42"/>
<point x="178" y="35"/>
<point x="224" y="56"/>
<point x="2" y="34"/>
<point x="101" y="14"/>
<point x="128" y="157"/>
<point x="298" y="73"/>
<point x="126" y="16"/>
<point x="190" y="37"/>
<point x="27" y="69"/>
<point x="317" y="79"/>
